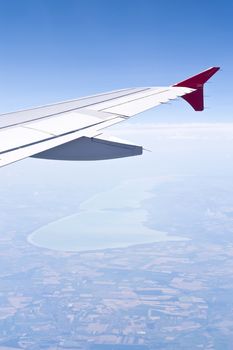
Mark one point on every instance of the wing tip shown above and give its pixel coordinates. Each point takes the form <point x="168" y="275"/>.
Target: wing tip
<point x="199" y="79"/>
<point x="196" y="98"/>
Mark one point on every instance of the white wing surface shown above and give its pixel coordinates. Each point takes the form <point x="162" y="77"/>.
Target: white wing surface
<point x="71" y="130"/>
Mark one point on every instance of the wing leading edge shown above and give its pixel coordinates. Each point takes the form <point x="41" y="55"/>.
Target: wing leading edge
<point x="71" y="130"/>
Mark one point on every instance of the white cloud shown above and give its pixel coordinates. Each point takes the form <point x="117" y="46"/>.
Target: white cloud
<point x="190" y="131"/>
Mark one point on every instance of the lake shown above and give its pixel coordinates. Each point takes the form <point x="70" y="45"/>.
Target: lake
<point x="111" y="219"/>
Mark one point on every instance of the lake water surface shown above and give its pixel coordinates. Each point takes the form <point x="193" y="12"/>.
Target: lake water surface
<point x="111" y="219"/>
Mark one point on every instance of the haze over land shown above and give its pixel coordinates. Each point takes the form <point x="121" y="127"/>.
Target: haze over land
<point x="140" y="297"/>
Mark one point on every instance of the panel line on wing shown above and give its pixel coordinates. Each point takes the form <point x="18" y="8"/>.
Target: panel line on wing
<point x="66" y="111"/>
<point x="36" y="129"/>
<point x="56" y="136"/>
<point x="133" y="100"/>
<point x="60" y="103"/>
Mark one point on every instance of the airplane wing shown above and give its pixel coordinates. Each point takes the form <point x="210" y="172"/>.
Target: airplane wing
<point x="72" y="130"/>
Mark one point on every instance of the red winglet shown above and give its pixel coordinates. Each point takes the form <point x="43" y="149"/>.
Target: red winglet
<point x="195" y="98"/>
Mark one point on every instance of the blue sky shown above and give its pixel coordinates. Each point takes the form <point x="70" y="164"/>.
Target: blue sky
<point x="53" y="50"/>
